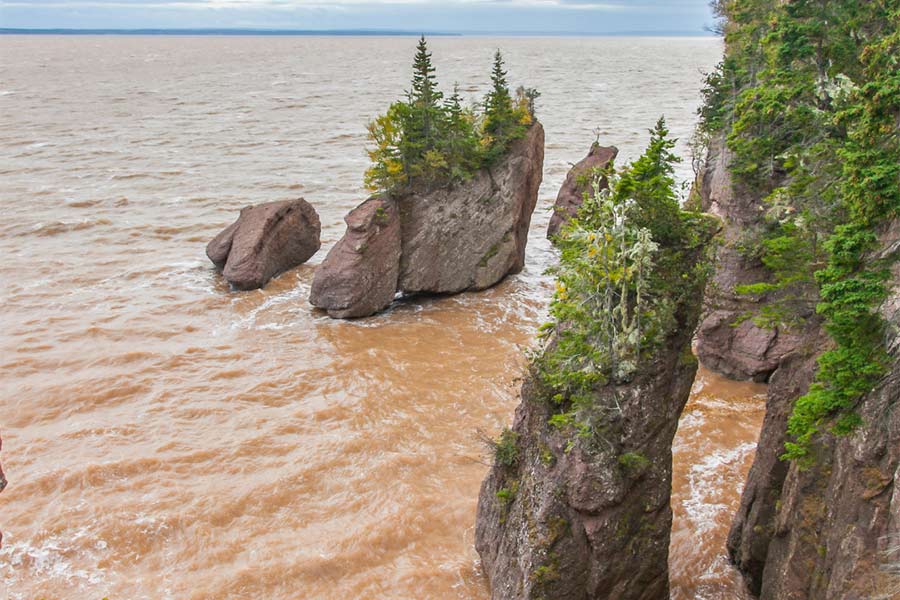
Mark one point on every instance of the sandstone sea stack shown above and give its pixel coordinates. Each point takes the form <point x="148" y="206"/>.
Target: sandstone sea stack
<point x="578" y="183"/>
<point x="359" y="276"/>
<point x="265" y="241"/>
<point x="439" y="240"/>
<point x="576" y="503"/>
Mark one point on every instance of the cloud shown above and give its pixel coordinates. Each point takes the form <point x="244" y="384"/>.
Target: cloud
<point x="563" y="16"/>
<point x="325" y="4"/>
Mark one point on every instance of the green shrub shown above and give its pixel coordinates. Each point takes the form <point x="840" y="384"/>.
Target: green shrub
<point x="808" y="96"/>
<point x="627" y="264"/>
<point x="634" y="463"/>
<point x="506" y="450"/>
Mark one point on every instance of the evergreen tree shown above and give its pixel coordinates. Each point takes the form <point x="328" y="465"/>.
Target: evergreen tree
<point x="650" y="183"/>
<point x="808" y="96"/>
<point x="500" y="124"/>
<point x="426" y="138"/>
<point x="618" y="285"/>
<point x="460" y="146"/>
<point x="425" y="117"/>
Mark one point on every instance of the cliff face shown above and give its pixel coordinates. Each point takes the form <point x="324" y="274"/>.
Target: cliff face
<point x="820" y="532"/>
<point x="834" y="522"/>
<point x="473" y="235"/>
<point x="582" y="521"/>
<point x="449" y="240"/>
<point x="729" y="342"/>
<point x="567" y="516"/>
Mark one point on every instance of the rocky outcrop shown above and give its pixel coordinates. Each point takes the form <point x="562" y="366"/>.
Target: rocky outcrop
<point x="577" y="184"/>
<point x="752" y="528"/>
<point x="452" y="239"/>
<point x="728" y="341"/>
<point x="572" y="517"/>
<point x="359" y="275"/>
<point x="583" y="522"/>
<point x="265" y="241"/>
<point x="803" y="532"/>
<point x="824" y="530"/>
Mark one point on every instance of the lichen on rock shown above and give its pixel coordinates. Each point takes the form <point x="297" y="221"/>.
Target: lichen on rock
<point x="590" y="515"/>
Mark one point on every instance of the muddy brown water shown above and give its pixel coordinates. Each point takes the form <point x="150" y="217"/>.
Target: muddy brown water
<point x="166" y="438"/>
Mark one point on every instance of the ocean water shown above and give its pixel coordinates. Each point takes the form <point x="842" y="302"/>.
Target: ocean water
<point x="165" y="437"/>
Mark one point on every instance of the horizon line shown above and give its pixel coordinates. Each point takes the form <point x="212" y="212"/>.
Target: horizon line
<point x="246" y="31"/>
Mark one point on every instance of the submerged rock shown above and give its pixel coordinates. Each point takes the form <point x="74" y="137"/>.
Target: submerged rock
<point x="442" y="240"/>
<point x="577" y="184"/>
<point x="265" y="241"/>
<point x="359" y="276"/>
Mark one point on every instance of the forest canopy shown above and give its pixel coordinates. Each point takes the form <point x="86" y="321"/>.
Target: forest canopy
<point x="432" y="139"/>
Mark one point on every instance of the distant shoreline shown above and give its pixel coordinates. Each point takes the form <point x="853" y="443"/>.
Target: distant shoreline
<point x="345" y="33"/>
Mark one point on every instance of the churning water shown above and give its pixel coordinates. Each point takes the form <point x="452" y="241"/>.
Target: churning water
<point x="167" y="438"/>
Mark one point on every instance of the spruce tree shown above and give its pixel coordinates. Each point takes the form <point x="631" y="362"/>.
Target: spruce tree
<point x="460" y="140"/>
<point x="424" y="120"/>
<point x="428" y="139"/>
<point x="498" y="104"/>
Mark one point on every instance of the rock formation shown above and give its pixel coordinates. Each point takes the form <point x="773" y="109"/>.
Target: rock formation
<point x="586" y="521"/>
<point x="824" y="531"/>
<point x="443" y="240"/>
<point x="265" y="241"/>
<point x="820" y="532"/>
<point x="577" y="184"/>
<point x="569" y="516"/>
<point x="728" y="341"/>
<point x="359" y="275"/>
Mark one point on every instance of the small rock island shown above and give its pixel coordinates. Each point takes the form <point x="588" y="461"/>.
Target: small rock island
<point x="455" y="191"/>
<point x="265" y="241"/>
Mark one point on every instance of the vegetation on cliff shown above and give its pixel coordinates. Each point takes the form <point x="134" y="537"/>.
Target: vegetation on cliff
<point x="808" y="97"/>
<point x="431" y="139"/>
<point x="628" y="262"/>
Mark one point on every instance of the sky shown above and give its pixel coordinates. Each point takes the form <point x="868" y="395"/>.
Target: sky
<point x="489" y="16"/>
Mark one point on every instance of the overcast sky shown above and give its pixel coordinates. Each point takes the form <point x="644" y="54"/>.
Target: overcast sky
<point x="562" y="16"/>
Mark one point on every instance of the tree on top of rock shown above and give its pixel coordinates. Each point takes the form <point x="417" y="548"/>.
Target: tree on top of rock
<point x="430" y="140"/>
<point x="425" y="117"/>
<point x="650" y="183"/>
<point x="501" y="123"/>
<point x="461" y="141"/>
